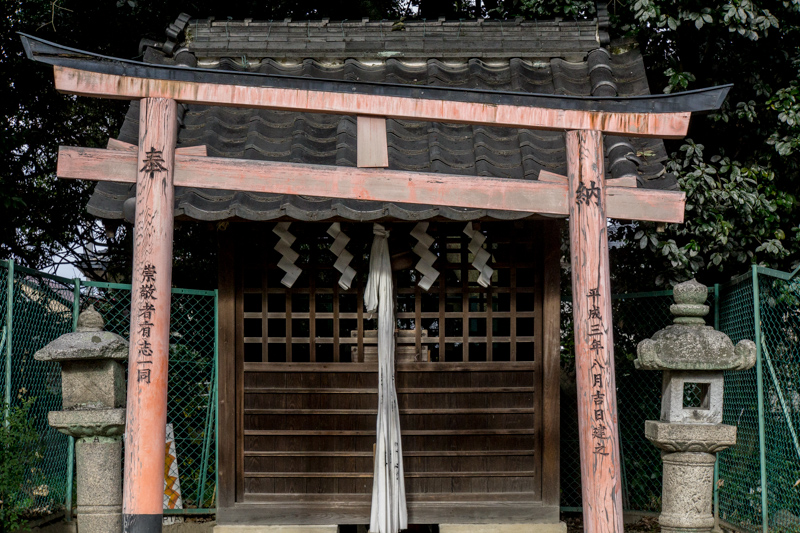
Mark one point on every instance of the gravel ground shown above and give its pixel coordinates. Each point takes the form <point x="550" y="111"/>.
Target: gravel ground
<point x="648" y="524"/>
<point x="195" y="525"/>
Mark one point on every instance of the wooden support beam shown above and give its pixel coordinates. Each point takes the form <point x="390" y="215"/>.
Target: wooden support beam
<point x="552" y="177"/>
<point x="551" y="362"/>
<point x="116" y="144"/>
<point x="146" y="416"/>
<point x="198" y="151"/>
<point x="226" y="361"/>
<point x="594" y="340"/>
<point x="372" y="149"/>
<point x="86" y="83"/>
<point x="121" y="146"/>
<point x="528" y="196"/>
<point x="625" y="181"/>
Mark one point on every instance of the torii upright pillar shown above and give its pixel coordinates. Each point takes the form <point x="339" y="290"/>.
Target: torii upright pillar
<point x="594" y="342"/>
<point x="143" y="487"/>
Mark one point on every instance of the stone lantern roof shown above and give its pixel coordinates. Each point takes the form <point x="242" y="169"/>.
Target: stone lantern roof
<point x="89" y="342"/>
<point x="689" y="344"/>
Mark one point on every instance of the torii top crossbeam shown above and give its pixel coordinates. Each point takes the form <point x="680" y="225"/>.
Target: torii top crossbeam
<point x="663" y="115"/>
<point x="583" y="194"/>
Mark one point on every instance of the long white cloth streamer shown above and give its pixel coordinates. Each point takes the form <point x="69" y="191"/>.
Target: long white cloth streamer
<point x="389" y="513"/>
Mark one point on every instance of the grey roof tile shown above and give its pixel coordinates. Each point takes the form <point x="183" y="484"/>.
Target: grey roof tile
<point x="416" y="146"/>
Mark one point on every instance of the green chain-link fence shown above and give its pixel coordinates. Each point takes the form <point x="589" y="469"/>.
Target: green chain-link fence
<point x="759" y="479"/>
<point x="35" y="309"/>
<point x="738" y="497"/>
<point x="191" y="404"/>
<point x="44" y="307"/>
<point x="779" y="340"/>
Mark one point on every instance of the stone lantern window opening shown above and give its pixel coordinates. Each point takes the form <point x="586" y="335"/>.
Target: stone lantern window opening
<point x="695" y="395"/>
<point x="692" y="397"/>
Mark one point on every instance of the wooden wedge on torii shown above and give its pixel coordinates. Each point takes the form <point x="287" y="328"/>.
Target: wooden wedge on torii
<point x="157" y="167"/>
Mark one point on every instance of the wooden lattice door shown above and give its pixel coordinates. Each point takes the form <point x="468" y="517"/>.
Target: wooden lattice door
<point x="468" y="382"/>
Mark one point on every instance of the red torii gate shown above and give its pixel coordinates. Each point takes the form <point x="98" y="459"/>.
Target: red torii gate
<point x="157" y="167"/>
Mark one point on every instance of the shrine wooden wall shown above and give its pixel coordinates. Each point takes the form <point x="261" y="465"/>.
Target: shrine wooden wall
<point x="477" y="381"/>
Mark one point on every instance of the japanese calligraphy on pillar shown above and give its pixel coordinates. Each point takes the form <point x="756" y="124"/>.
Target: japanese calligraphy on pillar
<point x="147" y="295"/>
<point x="596" y="348"/>
<point x="594" y="342"/>
<point x="153" y="163"/>
<point x="587" y="195"/>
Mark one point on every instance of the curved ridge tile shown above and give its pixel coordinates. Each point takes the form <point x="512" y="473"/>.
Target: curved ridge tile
<point x="227" y="63"/>
<point x="361" y="210"/>
<point x="346" y="130"/>
<point x="569" y="78"/>
<point x="441" y="74"/>
<point x="129" y="132"/>
<point x="450" y="149"/>
<point x="314" y="69"/>
<point x="490" y="76"/>
<point x="270" y="66"/>
<point x="399" y="72"/>
<point x="536" y="78"/>
<point x="506" y="215"/>
<point x="601" y="76"/>
<point x="400" y="134"/>
<point x="629" y="72"/>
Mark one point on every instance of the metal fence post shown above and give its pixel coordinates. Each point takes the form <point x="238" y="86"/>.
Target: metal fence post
<point x="760" y="397"/>
<point x="76" y="310"/>
<point x="9" y="336"/>
<point x="716" y="462"/>
<point x="209" y="420"/>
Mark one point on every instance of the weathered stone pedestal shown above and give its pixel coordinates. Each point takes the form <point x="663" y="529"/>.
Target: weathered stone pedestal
<point x="93" y="396"/>
<point x="693" y="357"/>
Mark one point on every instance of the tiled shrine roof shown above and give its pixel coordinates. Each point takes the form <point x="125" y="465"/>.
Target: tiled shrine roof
<point x="553" y="57"/>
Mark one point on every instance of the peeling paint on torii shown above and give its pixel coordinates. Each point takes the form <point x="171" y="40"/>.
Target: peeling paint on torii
<point x="587" y="198"/>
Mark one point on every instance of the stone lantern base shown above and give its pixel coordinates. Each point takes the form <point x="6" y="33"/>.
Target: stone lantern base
<point x="689" y="453"/>
<point x="687" y="496"/>
<point x="98" y="462"/>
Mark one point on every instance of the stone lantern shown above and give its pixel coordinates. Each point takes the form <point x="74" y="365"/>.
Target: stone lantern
<point x="93" y="402"/>
<point x="693" y="357"/>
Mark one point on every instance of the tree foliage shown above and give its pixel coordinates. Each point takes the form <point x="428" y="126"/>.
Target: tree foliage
<point x="739" y="168"/>
<point x="20" y="451"/>
<point x="741" y="171"/>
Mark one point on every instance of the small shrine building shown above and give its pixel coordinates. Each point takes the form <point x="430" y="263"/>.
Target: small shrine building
<point x="475" y="275"/>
